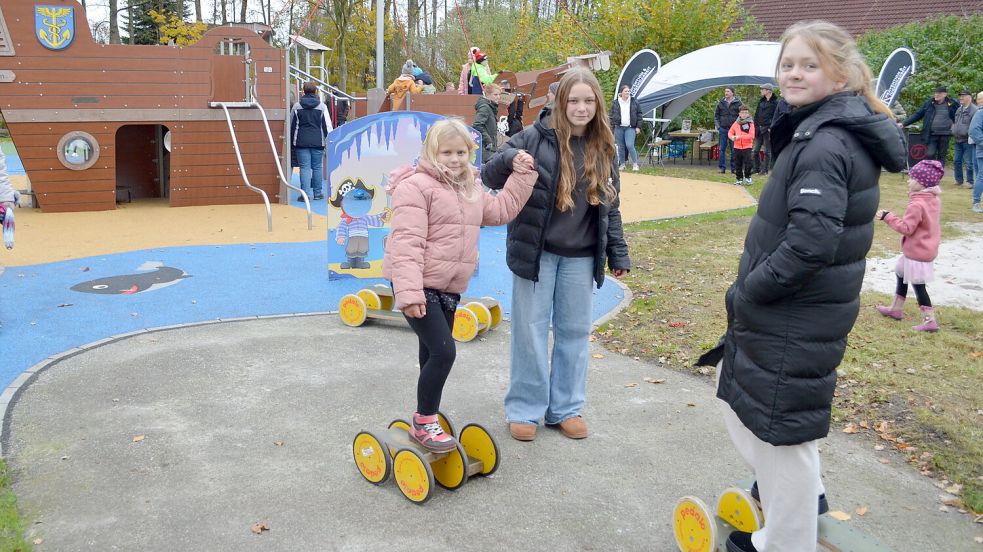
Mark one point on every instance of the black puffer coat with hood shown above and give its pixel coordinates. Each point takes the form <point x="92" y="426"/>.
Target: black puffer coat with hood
<point x="797" y="293"/>
<point x="527" y="232"/>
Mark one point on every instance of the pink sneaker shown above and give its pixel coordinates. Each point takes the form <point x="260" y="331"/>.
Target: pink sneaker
<point x="929" y="325"/>
<point x="890" y="313"/>
<point x="426" y="430"/>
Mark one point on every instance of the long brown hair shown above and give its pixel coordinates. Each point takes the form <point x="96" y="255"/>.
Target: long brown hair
<point x="598" y="148"/>
<point x="838" y="58"/>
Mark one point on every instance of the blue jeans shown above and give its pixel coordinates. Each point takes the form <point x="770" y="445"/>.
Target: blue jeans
<point x="724" y="142"/>
<point x="624" y="138"/>
<point x="309" y="160"/>
<point x="967" y="151"/>
<point x="541" y="387"/>
<point x="978" y="185"/>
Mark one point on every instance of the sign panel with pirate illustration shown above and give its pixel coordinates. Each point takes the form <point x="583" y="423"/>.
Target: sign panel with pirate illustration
<point x="361" y="154"/>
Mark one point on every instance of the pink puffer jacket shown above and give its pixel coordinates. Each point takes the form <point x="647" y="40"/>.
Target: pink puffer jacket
<point x="921" y="226"/>
<point x="433" y="242"/>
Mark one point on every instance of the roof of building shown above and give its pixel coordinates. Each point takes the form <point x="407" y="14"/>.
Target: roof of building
<point x="856" y="16"/>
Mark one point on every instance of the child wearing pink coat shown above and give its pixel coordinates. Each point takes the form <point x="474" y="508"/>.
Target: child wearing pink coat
<point x="921" y="232"/>
<point x="432" y="251"/>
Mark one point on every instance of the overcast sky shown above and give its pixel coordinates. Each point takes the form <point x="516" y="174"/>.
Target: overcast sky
<point x="98" y="10"/>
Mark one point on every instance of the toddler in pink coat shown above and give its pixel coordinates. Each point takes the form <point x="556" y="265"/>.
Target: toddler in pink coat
<point x="432" y="250"/>
<point x="921" y="232"/>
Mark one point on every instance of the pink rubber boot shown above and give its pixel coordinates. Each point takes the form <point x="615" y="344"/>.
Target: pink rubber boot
<point x="895" y="311"/>
<point x="929" y="325"/>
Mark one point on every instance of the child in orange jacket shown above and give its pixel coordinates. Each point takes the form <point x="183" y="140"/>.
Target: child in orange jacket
<point x="742" y="134"/>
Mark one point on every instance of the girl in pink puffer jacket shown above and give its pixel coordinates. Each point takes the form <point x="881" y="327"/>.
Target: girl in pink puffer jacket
<point x="432" y="250"/>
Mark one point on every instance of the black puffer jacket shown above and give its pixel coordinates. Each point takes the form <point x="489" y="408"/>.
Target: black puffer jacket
<point x="796" y="296"/>
<point x="765" y="114"/>
<point x="726" y="113"/>
<point x="527" y="233"/>
<point x="634" y="111"/>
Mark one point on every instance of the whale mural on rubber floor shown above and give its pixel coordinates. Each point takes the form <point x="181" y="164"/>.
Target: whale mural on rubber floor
<point x="157" y="277"/>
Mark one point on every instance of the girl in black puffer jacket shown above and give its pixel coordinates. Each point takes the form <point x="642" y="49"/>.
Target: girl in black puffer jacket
<point x="796" y="296"/>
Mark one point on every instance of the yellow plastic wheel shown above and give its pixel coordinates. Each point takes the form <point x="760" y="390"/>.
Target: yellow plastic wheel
<point x="736" y="507"/>
<point x="496" y="310"/>
<point x="445" y="423"/>
<point x="372" y="458"/>
<point x="400" y="423"/>
<point x="386" y="297"/>
<point x="465" y="325"/>
<point x="478" y="444"/>
<point x="370" y="298"/>
<point x="483" y="315"/>
<point x="451" y="470"/>
<point x="352" y="310"/>
<point x="413" y="475"/>
<point x="694" y="526"/>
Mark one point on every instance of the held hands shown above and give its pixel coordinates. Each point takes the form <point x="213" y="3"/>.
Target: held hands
<point x="415" y="311"/>
<point x="522" y="163"/>
<point x="881" y="213"/>
<point x="619" y="273"/>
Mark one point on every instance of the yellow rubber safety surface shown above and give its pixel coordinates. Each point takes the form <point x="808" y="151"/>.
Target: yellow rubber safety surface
<point x="478" y="444"/>
<point x="451" y="470"/>
<point x="736" y="507"/>
<point x="413" y="475"/>
<point x="371" y="458"/>
<point x="694" y="526"/>
<point x="465" y="325"/>
<point x="352" y="310"/>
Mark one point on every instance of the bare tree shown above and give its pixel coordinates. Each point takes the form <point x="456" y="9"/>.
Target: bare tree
<point x="113" y="22"/>
<point x="242" y="10"/>
<point x="225" y="12"/>
<point x="198" y="10"/>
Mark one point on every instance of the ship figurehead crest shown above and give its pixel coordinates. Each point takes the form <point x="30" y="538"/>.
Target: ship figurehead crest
<point x="54" y="26"/>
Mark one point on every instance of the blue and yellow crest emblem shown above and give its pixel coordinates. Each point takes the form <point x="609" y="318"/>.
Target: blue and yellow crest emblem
<point x="54" y="26"/>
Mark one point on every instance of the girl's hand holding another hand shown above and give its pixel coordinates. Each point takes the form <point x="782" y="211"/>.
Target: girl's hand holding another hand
<point x="881" y="213"/>
<point x="619" y="272"/>
<point x="522" y="163"/>
<point x="415" y="311"/>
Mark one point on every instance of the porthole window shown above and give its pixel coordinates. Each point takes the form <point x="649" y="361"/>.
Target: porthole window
<point x="78" y="150"/>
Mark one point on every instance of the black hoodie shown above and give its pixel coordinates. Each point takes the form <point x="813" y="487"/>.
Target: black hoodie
<point x="309" y="123"/>
<point x="797" y="292"/>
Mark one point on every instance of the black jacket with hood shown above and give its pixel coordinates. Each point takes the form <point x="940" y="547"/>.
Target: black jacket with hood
<point x="797" y="292"/>
<point x="309" y="123"/>
<point x="527" y="232"/>
<point x="635" y="113"/>
<point x="725" y="114"/>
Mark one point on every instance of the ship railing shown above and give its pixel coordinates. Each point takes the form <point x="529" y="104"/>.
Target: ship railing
<point x="242" y="168"/>
<point x="333" y="92"/>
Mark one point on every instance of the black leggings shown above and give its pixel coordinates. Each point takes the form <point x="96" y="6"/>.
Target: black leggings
<point x="920" y="292"/>
<point x="437" y="353"/>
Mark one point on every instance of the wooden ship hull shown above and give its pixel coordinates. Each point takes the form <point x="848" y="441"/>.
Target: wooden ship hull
<point x="95" y="123"/>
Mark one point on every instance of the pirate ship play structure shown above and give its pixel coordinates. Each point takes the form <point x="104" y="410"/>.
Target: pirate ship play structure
<point x="95" y="124"/>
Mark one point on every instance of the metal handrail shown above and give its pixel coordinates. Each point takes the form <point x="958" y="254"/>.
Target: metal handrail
<point x="279" y="169"/>
<point x="242" y="167"/>
<point x="331" y="90"/>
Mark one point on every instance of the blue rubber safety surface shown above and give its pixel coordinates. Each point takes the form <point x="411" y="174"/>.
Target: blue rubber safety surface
<point x="41" y="315"/>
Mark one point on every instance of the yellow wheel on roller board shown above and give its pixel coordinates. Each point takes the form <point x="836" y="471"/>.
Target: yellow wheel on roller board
<point x="387" y="302"/>
<point x="694" y="526"/>
<point x="371" y="298"/>
<point x="400" y="423"/>
<point x="736" y="507"/>
<point x="372" y="457"/>
<point x="478" y="444"/>
<point x="445" y="423"/>
<point x="496" y="310"/>
<point x="352" y="310"/>
<point x="465" y="325"/>
<point x="413" y="475"/>
<point x="451" y="470"/>
<point x="483" y="315"/>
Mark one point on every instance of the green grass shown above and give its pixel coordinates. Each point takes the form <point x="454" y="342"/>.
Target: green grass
<point x="11" y="522"/>
<point x="915" y="393"/>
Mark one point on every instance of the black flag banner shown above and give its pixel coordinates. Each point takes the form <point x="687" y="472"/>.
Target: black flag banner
<point x="897" y="68"/>
<point x="640" y="68"/>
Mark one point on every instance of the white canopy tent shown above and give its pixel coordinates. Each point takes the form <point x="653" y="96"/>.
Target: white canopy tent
<point x="686" y="79"/>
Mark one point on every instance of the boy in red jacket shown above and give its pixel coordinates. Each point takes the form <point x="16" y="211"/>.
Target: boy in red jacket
<point x="742" y="134"/>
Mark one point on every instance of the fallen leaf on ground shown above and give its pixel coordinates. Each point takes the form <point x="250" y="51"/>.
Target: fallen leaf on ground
<point x="139" y="438"/>
<point x="592" y="338"/>
<point x="677" y="324"/>
<point x="864" y="424"/>
<point x="278" y="443"/>
<point x="631" y="385"/>
<point x="690" y="404"/>
<point x="955" y="488"/>
<point x="851" y="428"/>
<point x="883" y="460"/>
<point x="38" y="540"/>
<point x="976" y="354"/>
<point x="878" y="447"/>
<point x="597" y="355"/>
<point x="954" y="502"/>
<point x="259" y="528"/>
<point x="838" y="515"/>
<point x="861" y="510"/>
<point x="979" y="540"/>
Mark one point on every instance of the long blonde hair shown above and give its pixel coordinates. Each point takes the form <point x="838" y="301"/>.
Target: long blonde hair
<point x="449" y="129"/>
<point x="838" y="57"/>
<point x="599" y="147"/>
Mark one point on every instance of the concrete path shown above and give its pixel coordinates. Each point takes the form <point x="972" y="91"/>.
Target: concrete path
<point x="212" y="403"/>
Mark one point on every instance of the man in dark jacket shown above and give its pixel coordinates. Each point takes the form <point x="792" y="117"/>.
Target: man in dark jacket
<point x="763" y="117"/>
<point x="728" y="109"/>
<point x="965" y="150"/>
<point x="309" y="127"/>
<point x="937" y="115"/>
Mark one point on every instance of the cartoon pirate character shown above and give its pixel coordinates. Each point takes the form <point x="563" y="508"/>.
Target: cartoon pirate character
<point x="355" y="201"/>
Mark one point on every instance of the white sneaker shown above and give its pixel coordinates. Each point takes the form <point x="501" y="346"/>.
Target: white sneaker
<point x="977" y="208"/>
<point x="738" y="182"/>
<point x="747" y="181"/>
<point x="621" y="167"/>
<point x="634" y="167"/>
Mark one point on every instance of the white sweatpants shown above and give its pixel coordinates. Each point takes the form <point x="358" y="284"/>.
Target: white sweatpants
<point x="789" y="485"/>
